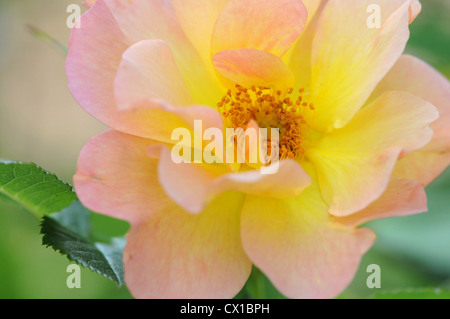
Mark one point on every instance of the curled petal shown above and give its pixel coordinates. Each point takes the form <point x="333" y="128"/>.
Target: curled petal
<point x="427" y="164"/>
<point x="414" y="76"/>
<point x="157" y="120"/>
<point x="148" y="70"/>
<point x="192" y="186"/>
<point x="109" y="28"/>
<point x="249" y="67"/>
<point x="402" y="197"/>
<point x="414" y="10"/>
<point x="152" y="93"/>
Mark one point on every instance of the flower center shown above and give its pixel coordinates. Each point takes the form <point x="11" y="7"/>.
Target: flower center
<point x="270" y="109"/>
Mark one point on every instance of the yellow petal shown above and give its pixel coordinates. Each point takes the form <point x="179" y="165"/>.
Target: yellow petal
<point x="299" y="56"/>
<point x="197" y="18"/>
<point x="354" y="164"/>
<point x="296" y="244"/>
<point x="349" y="58"/>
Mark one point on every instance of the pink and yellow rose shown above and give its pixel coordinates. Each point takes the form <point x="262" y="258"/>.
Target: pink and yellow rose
<point x="363" y="130"/>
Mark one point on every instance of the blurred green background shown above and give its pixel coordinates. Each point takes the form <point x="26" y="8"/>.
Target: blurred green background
<point x="40" y="122"/>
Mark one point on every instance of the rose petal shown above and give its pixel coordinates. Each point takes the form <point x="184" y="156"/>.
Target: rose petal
<point x="249" y="67"/>
<point x="414" y="76"/>
<point x="198" y="17"/>
<point x="95" y="53"/>
<point x="147" y="81"/>
<point x="414" y="10"/>
<point x="426" y="164"/>
<point x="115" y="176"/>
<point x="349" y="58"/>
<point x="294" y="242"/>
<point x="298" y="58"/>
<point x="156" y="19"/>
<point x="148" y="70"/>
<point x="402" y="197"/>
<point x="270" y="26"/>
<point x="175" y="254"/>
<point x="192" y="186"/>
<point x="355" y="163"/>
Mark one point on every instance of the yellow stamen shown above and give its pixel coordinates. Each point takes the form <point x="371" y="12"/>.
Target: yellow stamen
<point x="270" y="109"/>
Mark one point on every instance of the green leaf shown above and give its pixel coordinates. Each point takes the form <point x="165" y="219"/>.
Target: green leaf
<point x="426" y="293"/>
<point x="69" y="232"/>
<point x="66" y="223"/>
<point x="33" y="188"/>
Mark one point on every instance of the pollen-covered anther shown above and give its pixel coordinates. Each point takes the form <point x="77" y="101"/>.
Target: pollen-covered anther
<point x="270" y="109"/>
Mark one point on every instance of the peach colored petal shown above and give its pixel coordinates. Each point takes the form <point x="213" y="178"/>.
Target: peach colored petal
<point x="156" y="119"/>
<point x="156" y="19"/>
<point x="402" y="197"/>
<point x="115" y="176"/>
<point x="294" y="242"/>
<point x="179" y="255"/>
<point x="91" y="70"/>
<point x="149" y="71"/>
<point x="270" y="26"/>
<point x="95" y="53"/>
<point x="249" y="67"/>
<point x="193" y="186"/>
<point x="414" y="76"/>
<point x="355" y="163"/>
<point x="349" y="58"/>
<point x="147" y="82"/>
<point x="427" y="164"/>
<point x="350" y="183"/>
<point x="144" y="20"/>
